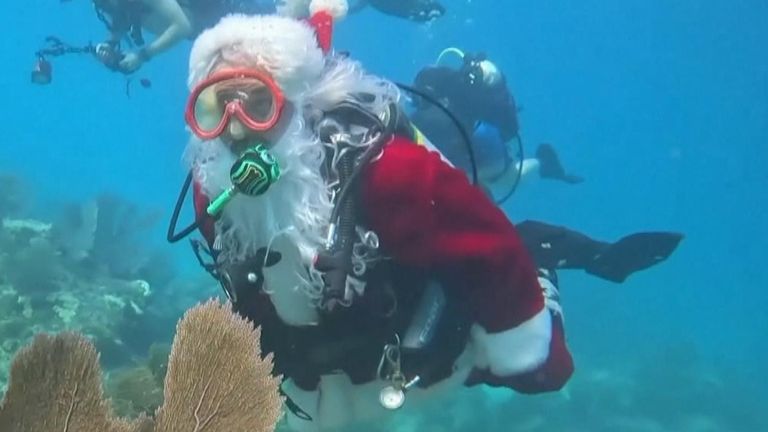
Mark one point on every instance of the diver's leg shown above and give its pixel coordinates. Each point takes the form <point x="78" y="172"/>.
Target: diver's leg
<point x="546" y="164"/>
<point x="558" y="247"/>
<point x="530" y="166"/>
<point x="502" y="183"/>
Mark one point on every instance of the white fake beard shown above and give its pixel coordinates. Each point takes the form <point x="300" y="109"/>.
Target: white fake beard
<point x="297" y="205"/>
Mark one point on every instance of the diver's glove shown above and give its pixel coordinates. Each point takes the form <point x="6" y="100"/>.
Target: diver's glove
<point x="132" y="61"/>
<point x="103" y="50"/>
<point x="109" y="54"/>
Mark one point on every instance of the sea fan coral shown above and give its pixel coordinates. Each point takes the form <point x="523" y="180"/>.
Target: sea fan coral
<point x="55" y="383"/>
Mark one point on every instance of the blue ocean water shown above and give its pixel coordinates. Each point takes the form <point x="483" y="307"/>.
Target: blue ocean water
<point x="661" y="106"/>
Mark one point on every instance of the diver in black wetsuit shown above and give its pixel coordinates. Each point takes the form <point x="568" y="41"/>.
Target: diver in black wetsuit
<point x="477" y="94"/>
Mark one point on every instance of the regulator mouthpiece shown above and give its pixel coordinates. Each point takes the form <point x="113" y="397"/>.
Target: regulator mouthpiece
<point x="252" y="174"/>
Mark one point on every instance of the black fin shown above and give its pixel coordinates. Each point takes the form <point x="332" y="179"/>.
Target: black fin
<point x="633" y="253"/>
<point x="414" y="10"/>
<point x="550" y="166"/>
<point x="556" y="247"/>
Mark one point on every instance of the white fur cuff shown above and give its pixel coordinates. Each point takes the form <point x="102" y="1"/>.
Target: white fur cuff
<point x="517" y="350"/>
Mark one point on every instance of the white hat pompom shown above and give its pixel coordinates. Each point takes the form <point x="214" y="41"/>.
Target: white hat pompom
<point x="336" y="8"/>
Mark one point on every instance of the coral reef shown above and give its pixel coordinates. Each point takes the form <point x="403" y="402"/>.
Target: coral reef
<point x="134" y="391"/>
<point x="109" y="235"/>
<point x="40" y="291"/>
<point x="216" y="363"/>
<point x="157" y="360"/>
<point x="13" y="195"/>
<point x="669" y="391"/>
<point x="222" y="387"/>
<point x="138" y="390"/>
<point x="56" y="385"/>
<point x="93" y="270"/>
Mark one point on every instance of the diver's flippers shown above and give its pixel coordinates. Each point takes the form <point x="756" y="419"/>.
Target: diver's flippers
<point x="633" y="253"/>
<point x="414" y="10"/>
<point x="550" y="166"/>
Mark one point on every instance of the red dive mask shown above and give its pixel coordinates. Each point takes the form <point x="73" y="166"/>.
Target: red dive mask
<point x="249" y="94"/>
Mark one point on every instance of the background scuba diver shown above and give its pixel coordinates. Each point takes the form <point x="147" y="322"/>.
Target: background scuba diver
<point x="279" y="128"/>
<point x="477" y="94"/>
<point x="175" y="20"/>
<point x="171" y="20"/>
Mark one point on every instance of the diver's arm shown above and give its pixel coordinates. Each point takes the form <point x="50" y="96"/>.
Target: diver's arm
<point x="515" y="174"/>
<point x="179" y="29"/>
<point x="428" y="216"/>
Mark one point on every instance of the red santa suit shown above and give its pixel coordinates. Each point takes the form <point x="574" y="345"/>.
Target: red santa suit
<point x="431" y="221"/>
<point x="432" y="228"/>
<point x="428" y="215"/>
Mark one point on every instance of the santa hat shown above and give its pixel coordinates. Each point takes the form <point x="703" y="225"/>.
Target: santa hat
<point x="291" y="50"/>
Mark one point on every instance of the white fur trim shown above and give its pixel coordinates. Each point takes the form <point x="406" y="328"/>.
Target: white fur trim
<point x="284" y="47"/>
<point x="337" y="8"/>
<point x="517" y="350"/>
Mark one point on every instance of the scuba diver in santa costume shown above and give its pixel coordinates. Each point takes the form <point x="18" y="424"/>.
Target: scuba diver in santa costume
<point x="376" y="270"/>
